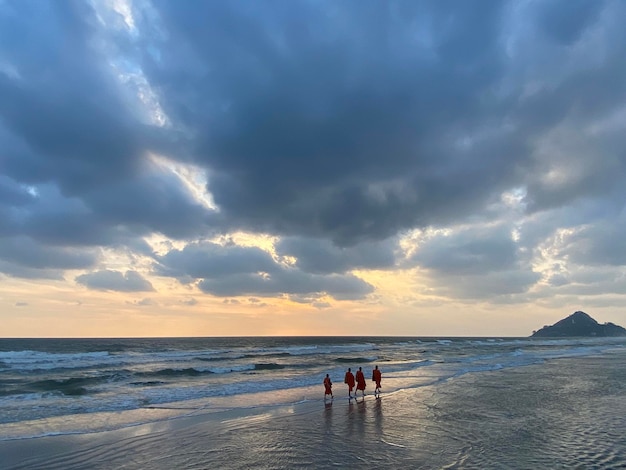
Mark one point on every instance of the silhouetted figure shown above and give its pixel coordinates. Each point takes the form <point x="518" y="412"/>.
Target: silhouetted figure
<point x="328" y="387"/>
<point x="376" y="377"/>
<point x="360" y="381"/>
<point x="349" y="379"/>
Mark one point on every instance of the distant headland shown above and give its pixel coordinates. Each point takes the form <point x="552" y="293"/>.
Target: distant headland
<point x="579" y="324"/>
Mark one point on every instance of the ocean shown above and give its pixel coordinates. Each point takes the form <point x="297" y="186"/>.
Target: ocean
<point x="242" y="402"/>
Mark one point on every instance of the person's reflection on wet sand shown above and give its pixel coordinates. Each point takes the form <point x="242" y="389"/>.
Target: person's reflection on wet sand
<point x="328" y="417"/>
<point x="378" y="417"/>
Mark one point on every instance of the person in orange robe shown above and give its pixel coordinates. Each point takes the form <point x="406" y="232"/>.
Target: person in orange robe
<point x="328" y="387"/>
<point x="349" y="379"/>
<point x="376" y="377"/>
<point x="360" y="381"/>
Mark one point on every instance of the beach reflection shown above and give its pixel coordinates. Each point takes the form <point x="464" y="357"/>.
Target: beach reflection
<point x="378" y="417"/>
<point x="356" y="417"/>
<point x="328" y="417"/>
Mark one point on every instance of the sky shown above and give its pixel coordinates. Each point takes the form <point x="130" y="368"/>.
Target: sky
<point x="310" y="167"/>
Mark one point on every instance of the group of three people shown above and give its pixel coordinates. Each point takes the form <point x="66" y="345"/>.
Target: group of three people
<point x="351" y="380"/>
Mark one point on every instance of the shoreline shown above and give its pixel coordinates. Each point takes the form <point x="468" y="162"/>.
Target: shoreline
<point x="555" y="414"/>
<point x="29" y="452"/>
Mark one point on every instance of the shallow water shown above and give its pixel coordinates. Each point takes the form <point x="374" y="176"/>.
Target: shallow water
<point x="562" y="413"/>
<point x="80" y="386"/>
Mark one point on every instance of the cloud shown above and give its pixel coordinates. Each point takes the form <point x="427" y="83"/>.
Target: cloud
<point x="321" y="305"/>
<point x="287" y="281"/>
<point x="71" y="123"/>
<point x="24" y="272"/>
<point x="28" y="253"/>
<point x="324" y="134"/>
<point x="131" y="281"/>
<point x="475" y="263"/>
<point x="211" y="260"/>
<point x="354" y="131"/>
<point x="75" y="135"/>
<point x="568" y="28"/>
<point x="597" y="244"/>
<point x="323" y="257"/>
<point x="335" y="128"/>
<point x="592" y="282"/>
<point x="234" y="270"/>
<point x="498" y="287"/>
<point x="468" y="251"/>
<point x="145" y="302"/>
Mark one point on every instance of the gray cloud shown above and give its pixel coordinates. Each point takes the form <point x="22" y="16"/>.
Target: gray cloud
<point x="499" y="287"/>
<point x="288" y="281"/>
<point x="354" y="130"/>
<point x="321" y="305"/>
<point x="72" y="122"/>
<point x="476" y="263"/>
<point x="75" y="130"/>
<point x="233" y="270"/>
<point x="567" y="26"/>
<point x="145" y="302"/>
<point x="598" y="244"/>
<point x="210" y="260"/>
<point x="28" y="253"/>
<point x="131" y="281"/>
<point x="594" y="281"/>
<point x="340" y="136"/>
<point x="336" y="125"/>
<point x="323" y="257"/>
<point x="24" y="272"/>
<point x="469" y="251"/>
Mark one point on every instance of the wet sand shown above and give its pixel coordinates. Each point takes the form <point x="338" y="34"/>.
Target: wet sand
<point x="566" y="413"/>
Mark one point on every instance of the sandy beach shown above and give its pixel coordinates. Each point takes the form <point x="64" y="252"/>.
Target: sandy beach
<point x="565" y="413"/>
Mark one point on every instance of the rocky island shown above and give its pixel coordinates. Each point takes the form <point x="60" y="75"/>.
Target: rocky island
<point x="579" y="324"/>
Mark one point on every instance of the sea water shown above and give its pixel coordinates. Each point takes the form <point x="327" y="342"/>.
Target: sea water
<point x="80" y="386"/>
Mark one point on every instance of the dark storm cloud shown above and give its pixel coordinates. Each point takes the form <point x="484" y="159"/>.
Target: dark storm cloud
<point x="476" y="263"/>
<point x="26" y="252"/>
<point x="354" y="120"/>
<point x="597" y="245"/>
<point x="582" y="246"/>
<point x="593" y="281"/>
<point x="344" y="122"/>
<point x="109" y="280"/>
<point x="210" y="260"/>
<point x="502" y="287"/>
<point x="233" y="270"/>
<point x="288" y="281"/>
<point x="152" y="201"/>
<point x="25" y="272"/>
<point x="60" y="102"/>
<point x="566" y="21"/>
<point x="339" y="123"/>
<point x="578" y="106"/>
<point x="67" y="126"/>
<point x="12" y="194"/>
<point x="470" y="251"/>
<point x="323" y="257"/>
<point x="48" y="217"/>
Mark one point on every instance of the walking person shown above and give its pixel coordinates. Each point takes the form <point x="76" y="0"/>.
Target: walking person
<point x="360" y="381"/>
<point x="349" y="379"/>
<point x="328" y="387"/>
<point x="376" y="377"/>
